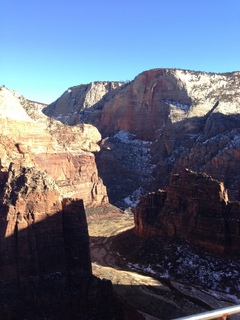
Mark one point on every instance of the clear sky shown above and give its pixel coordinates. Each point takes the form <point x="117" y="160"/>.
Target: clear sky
<point x="47" y="46"/>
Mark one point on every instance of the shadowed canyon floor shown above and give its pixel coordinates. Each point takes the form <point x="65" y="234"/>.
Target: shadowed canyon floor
<point x="155" y="295"/>
<point x="153" y="298"/>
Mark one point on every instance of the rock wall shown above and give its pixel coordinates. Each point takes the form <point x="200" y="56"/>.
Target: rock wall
<point x="60" y="151"/>
<point x="190" y="118"/>
<point x="45" y="264"/>
<point x="194" y="207"/>
<point x="75" y="172"/>
<point x="78" y="101"/>
<point x="163" y="97"/>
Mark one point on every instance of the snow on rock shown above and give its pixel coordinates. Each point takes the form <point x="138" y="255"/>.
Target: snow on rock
<point x="139" y="157"/>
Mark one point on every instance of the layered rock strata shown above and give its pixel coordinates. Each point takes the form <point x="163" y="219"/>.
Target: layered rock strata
<point x="191" y="118"/>
<point x="53" y="148"/>
<point x="194" y="207"/>
<point x="45" y="262"/>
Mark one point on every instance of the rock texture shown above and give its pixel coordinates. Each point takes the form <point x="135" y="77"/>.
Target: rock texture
<point x="78" y="101"/>
<point x="123" y="164"/>
<point x="53" y="148"/>
<point x="45" y="262"/>
<point x="191" y="118"/>
<point x="162" y="97"/>
<point x="195" y="207"/>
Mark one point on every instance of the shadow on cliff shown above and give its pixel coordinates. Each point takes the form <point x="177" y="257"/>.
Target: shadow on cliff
<point x="192" y="143"/>
<point x="45" y="270"/>
<point x="45" y="273"/>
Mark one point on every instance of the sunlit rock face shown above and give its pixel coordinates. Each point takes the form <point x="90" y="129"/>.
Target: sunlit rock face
<point x="156" y="97"/>
<point x="11" y="108"/>
<point x="60" y="151"/>
<point x="45" y="262"/>
<point x="194" y="207"/>
<point x="190" y="118"/>
<point x="79" y="101"/>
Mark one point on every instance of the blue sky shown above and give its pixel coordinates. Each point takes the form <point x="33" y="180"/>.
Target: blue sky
<point x="50" y="45"/>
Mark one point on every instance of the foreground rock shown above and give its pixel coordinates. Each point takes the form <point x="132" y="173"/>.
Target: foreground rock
<point x="195" y="208"/>
<point x="45" y="260"/>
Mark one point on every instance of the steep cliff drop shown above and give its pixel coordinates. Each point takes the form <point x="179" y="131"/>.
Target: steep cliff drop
<point x="63" y="152"/>
<point x="44" y="247"/>
<point x="194" y="207"/>
<point x="178" y="118"/>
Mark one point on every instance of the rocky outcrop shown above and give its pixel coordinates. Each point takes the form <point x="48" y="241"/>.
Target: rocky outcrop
<point x="190" y="119"/>
<point x="53" y="148"/>
<point x="45" y="262"/>
<point x="163" y="97"/>
<point x="194" y="207"/>
<point x="79" y="101"/>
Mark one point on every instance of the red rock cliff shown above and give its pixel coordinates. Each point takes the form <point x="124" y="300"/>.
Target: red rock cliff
<point x="194" y="207"/>
<point x="75" y="172"/>
<point x="60" y="151"/>
<point x="45" y="265"/>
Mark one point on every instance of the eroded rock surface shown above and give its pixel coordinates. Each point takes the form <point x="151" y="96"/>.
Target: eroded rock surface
<point x="51" y="147"/>
<point x="45" y="262"/>
<point x="195" y="208"/>
<point x="78" y="101"/>
<point x="190" y="119"/>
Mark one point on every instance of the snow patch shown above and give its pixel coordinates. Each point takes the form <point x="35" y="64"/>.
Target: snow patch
<point x="177" y="104"/>
<point x="133" y="199"/>
<point x="138" y="158"/>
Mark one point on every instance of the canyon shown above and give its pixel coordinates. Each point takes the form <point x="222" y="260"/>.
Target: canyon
<point x="166" y="145"/>
<point x="177" y="118"/>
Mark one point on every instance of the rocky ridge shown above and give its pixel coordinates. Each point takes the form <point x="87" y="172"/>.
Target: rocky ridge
<point x="191" y="119"/>
<point x="158" y="124"/>
<point x="195" y="208"/>
<point x="53" y="148"/>
<point x="45" y="259"/>
<point x="76" y="102"/>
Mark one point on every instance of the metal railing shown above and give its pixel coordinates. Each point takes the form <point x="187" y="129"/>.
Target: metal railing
<point x="215" y="314"/>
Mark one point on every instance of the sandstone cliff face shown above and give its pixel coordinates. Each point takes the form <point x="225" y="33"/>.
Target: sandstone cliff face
<point x="53" y="148"/>
<point x="45" y="262"/>
<point x="194" y="207"/>
<point x="192" y="117"/>
<point x="158" y="97"/>
<point x="75" y="103"/>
